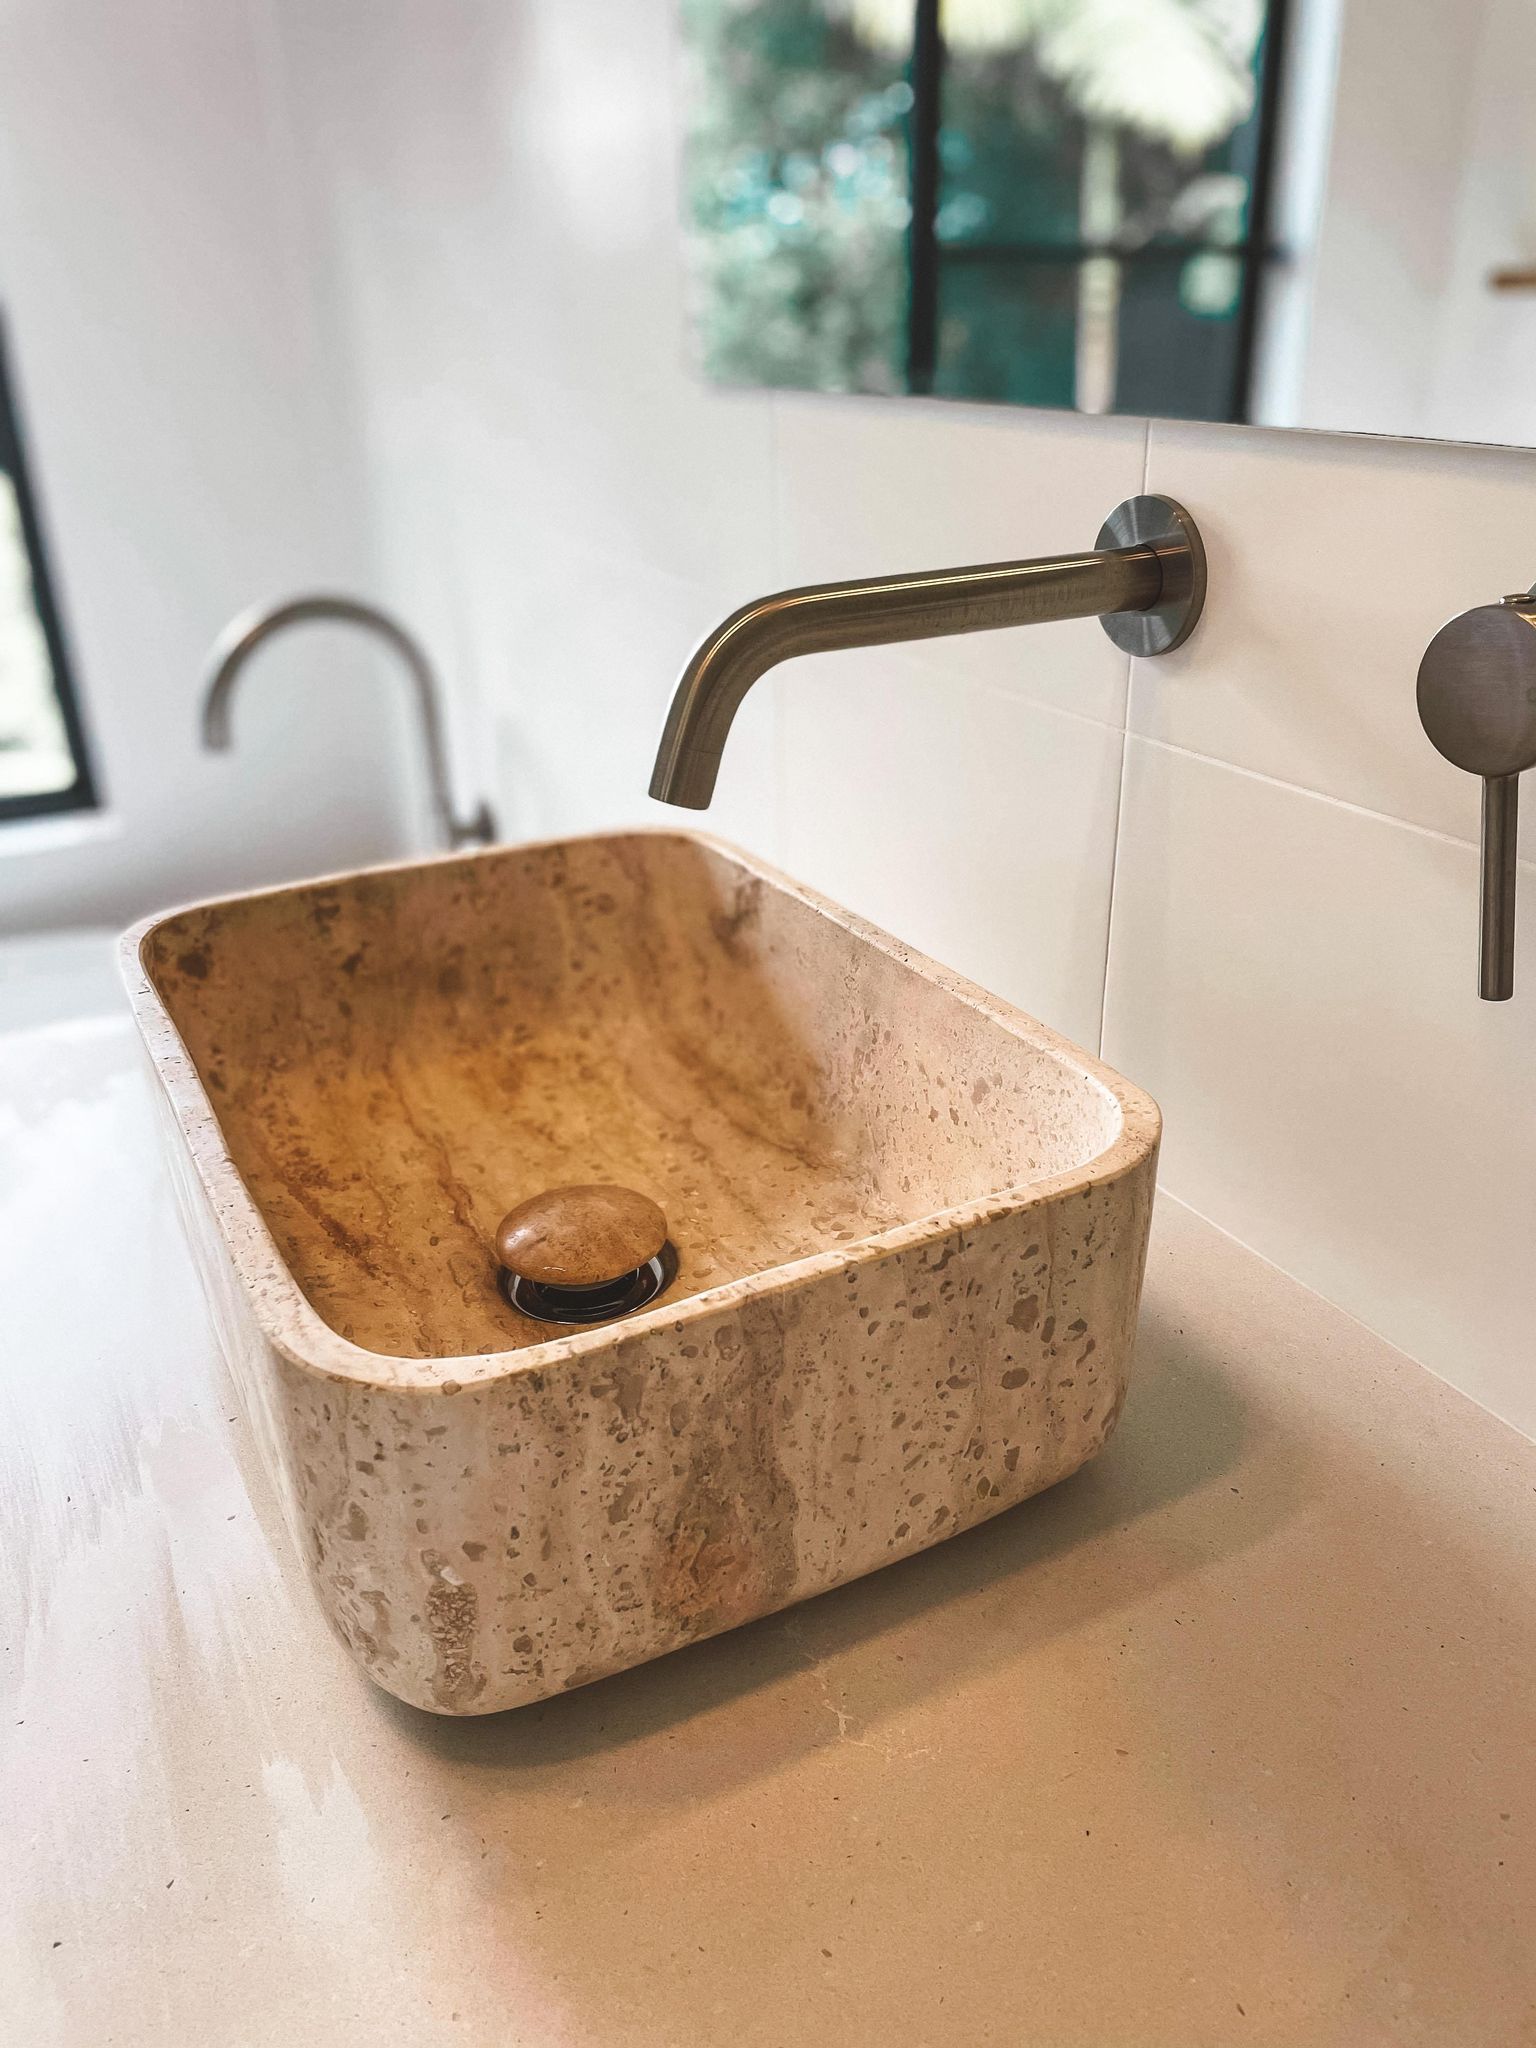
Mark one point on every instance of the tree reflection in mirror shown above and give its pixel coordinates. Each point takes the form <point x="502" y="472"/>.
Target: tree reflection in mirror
<point x="1050" y="202"/>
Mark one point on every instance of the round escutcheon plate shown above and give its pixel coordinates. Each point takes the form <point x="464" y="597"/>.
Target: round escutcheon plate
<point x="1162" y="524"/>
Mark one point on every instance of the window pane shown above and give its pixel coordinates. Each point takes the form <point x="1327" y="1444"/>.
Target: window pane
<point x="35" y="754"/>
<point x="1008" y="331"/>
<point x="42" y="765"/>
<point x="1053" y="141"/>
<point x="1091" y="240"/>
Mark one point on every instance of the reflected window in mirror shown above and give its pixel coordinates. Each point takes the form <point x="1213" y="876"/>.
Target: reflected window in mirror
<point x="1050" y="202"/>
<point x="1295" y="213"/>
<point x="43" y="761"/>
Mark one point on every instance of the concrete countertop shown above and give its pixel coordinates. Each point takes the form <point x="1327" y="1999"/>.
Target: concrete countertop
<point x="1230" y="1739"/>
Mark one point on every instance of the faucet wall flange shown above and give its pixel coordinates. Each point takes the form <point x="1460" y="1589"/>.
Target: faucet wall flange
<point x="1164" y="525"/>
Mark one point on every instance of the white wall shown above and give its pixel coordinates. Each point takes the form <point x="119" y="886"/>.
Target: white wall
<point x="554" y="496"/>
<point x="1241" y="869"/>
<point x="188" y="423"/>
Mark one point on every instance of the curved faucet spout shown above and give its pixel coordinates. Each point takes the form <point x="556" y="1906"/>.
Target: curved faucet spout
<point x="1145" y="580"/>
<point x="240" y="639"/>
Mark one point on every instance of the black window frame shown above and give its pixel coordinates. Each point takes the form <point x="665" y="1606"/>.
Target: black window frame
<point x="926" y="255"/>
<point x="83" y="793"/>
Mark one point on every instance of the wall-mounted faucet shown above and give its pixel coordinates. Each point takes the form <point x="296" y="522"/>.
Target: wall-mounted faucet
<point x="1477" y="702"/>
<point x="1145" y="581"/>
<point x="244" y="635"/>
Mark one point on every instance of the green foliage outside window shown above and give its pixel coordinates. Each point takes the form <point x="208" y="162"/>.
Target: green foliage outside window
<point x="1067" y="125"/>
<point x="796" y="201"/>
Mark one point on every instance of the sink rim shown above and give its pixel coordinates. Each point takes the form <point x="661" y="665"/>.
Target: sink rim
<point x="289" y="1322"/>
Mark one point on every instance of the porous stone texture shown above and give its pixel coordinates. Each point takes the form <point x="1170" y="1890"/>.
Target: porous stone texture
<point x="911" y="1226"/>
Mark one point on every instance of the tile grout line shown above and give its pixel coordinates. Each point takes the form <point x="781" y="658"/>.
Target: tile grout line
<point x="780" y="811"/>
<point x="1164" y="1193"/>
<point x="987" y="685"/>
<point x="1125" y="754"/>
<point x="1321" y="796"/>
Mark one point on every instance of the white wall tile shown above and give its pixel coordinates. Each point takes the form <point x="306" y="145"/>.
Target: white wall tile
<point x="868" y="486"/>
<point x="1333" y="561"/>
<point x="974" y="824"/>
<point x="951" y="790"/>
<point x="1295" y="981"/>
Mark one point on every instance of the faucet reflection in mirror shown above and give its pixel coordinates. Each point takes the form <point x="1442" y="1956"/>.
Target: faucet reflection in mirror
<point x="240" y="640"/>
<point x="1145" y="581"/>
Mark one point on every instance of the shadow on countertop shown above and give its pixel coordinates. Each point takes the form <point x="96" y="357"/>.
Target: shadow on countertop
<point x="1045" y="1567"/>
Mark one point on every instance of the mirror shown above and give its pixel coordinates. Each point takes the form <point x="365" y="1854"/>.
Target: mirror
<point x="1304" y="213"/>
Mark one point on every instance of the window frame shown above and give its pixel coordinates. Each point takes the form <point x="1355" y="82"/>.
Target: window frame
<point x="83" y="793"/>
<point x="927" y="256"/>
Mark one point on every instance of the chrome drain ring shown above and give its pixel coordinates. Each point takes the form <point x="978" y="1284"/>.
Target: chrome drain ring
<point x="605" y="1303"/>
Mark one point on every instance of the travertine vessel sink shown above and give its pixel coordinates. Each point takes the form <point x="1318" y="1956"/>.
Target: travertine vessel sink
<point x="910" y="1226"/>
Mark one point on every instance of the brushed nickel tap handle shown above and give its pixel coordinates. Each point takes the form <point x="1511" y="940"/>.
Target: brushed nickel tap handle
<point x="243" y="635"/>
<point x="1477" y="702"/>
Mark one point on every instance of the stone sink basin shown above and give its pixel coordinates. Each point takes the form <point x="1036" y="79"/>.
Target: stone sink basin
<point x="910" y="1226"/>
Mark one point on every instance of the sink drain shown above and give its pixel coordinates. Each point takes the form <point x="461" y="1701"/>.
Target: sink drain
<point x="585" y="1254"/>
<point x="597" y="1304"/>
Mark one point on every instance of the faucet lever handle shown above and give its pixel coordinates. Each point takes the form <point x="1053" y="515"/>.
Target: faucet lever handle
<point x="1477" y="703"/>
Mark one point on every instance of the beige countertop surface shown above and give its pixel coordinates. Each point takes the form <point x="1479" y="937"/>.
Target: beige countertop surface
<point x="1229" y="1739"/>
